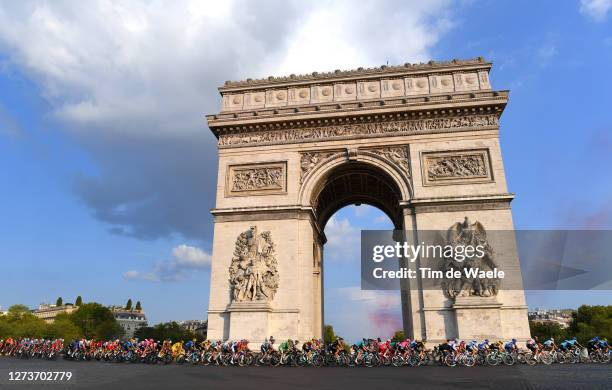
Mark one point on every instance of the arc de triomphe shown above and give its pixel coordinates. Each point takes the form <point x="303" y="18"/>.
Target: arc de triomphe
<point x="418" y="141"/>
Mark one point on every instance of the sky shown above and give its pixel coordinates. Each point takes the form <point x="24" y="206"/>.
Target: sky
<point x="109" y="170"/>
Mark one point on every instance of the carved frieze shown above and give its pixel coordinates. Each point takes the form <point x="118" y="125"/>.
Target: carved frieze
<point x="453" y="167"/>
<point x="309" y="160"/>
<point x="253" y="179"/>
<point x="398" y="155"/>
<point x="253" y="272"/>
<point x="347" y="131"/>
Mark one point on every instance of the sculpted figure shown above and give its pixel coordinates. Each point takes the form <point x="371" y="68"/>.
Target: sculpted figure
<point x="470" y="234"/>
<point x="253" y="272"/>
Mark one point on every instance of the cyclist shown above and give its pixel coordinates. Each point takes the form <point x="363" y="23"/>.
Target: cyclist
<point x="338" y="346"/>
<point x="285" y="346"/>
<point x="532" y="345"/>
<point x="177" y="348"/>
<point x="603" y="343"/>
<point x="549" y="345"/>
<point x="484" y="345"/>
<point x="472" y="347"/>
<point x="188" y="345"/>
<point x="570" y="344"/>
<point x="267" y="346"/>
<point x="511" y="346"/>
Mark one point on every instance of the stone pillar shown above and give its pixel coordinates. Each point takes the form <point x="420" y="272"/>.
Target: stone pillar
<point x="478" y="318"/>
<point x="296" y="309"/>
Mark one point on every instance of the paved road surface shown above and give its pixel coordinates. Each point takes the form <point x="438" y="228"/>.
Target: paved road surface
<point x="100" y="375"/>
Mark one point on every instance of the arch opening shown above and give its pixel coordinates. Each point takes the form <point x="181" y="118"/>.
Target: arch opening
<point x="355" y="313"/>
<point x="356" y="183"/>
<point x="333" y="193"/>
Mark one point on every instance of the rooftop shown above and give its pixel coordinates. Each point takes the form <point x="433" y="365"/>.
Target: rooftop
<point x="384" y="70"/>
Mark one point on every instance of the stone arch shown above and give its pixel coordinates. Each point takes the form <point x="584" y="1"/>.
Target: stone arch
<point x="340" y="179"/>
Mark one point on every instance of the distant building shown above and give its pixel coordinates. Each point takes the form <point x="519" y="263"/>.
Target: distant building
<point x="561" y="317"/>
<point x="3" y="312"/>
<point x="130" y="320"/>
<point x="48" y="312"/>
<point x="196" y="326"/>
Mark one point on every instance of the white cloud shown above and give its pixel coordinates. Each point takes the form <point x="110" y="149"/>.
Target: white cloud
<point x="184" y="259"/>
<point x="343" y="241"/>
<point x="131" y="81"/>
<point x="131" y="274"/>
<point x="596" y="9"/>
<point x="341" y="34"/>
<point x="191" y="256"/>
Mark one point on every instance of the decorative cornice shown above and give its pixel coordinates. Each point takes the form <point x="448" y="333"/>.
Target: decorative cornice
<point x="458" y="203"/>
<point x="373" y="127"/>
<point x="359" y="72"/>
<point x="405" y="108"/>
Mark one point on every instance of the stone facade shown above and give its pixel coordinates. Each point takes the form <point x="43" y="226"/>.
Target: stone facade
<point x="420" y="142"/>
<point x="48" y="312"/>
<point x="130" y="320"/>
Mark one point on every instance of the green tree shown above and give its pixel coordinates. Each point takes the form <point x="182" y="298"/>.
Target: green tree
<point x="18" y="310"/>
<point x="79" y="301"/>
<point x="128" y="305"/>
<point x="544" y="331"/>
<point x="590" y="321"/>
<point x="328" y="334"/>
<point x="59" y="301"/>
<point x="96" y="321"/>
<point x="20" y="322"/>
<point x="399" y="336"/>
<point x="138" y="306"/>
<point x="167" y="330"/>
<point x="63" y="328"/>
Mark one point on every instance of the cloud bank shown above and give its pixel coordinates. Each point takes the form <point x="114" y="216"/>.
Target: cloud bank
<point x="130" y="83"/>
<point x="184" y="259"/>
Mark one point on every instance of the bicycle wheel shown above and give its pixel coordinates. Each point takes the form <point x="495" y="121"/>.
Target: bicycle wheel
<point x="450" y="360"/>
<point x="317" y="361"/>
<point x="397" y="361"/>
<point x="413" y="361"/>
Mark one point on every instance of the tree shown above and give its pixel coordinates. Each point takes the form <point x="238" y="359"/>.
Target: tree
<point x="128" y="305"/>
<point x="18" y="310"/>
<point x="63" y="328"/>
<point x="96" y="321"/>
<point x="138" y="306"/>
<point x="20" y="322"/>
<point x="328" y="334"/>
<point x="79" y="301"/>
<point x="59" y="301"/>
<point x="590" y="321"/>
<point x="546" y="330"/>
<point x="166" y="331"/>
<point x="399" y="336"/>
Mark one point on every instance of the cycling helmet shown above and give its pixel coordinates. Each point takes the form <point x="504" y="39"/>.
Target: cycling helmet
<point x="574" y="338"/>
<point x="514" y="340"/>
<point x="486" y="340"/>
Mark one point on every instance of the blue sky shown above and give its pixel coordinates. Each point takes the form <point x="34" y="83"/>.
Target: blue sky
<point x="109" y="169"/>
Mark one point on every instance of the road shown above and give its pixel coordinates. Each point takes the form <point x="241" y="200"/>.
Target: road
<point x="101" y="375"/>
